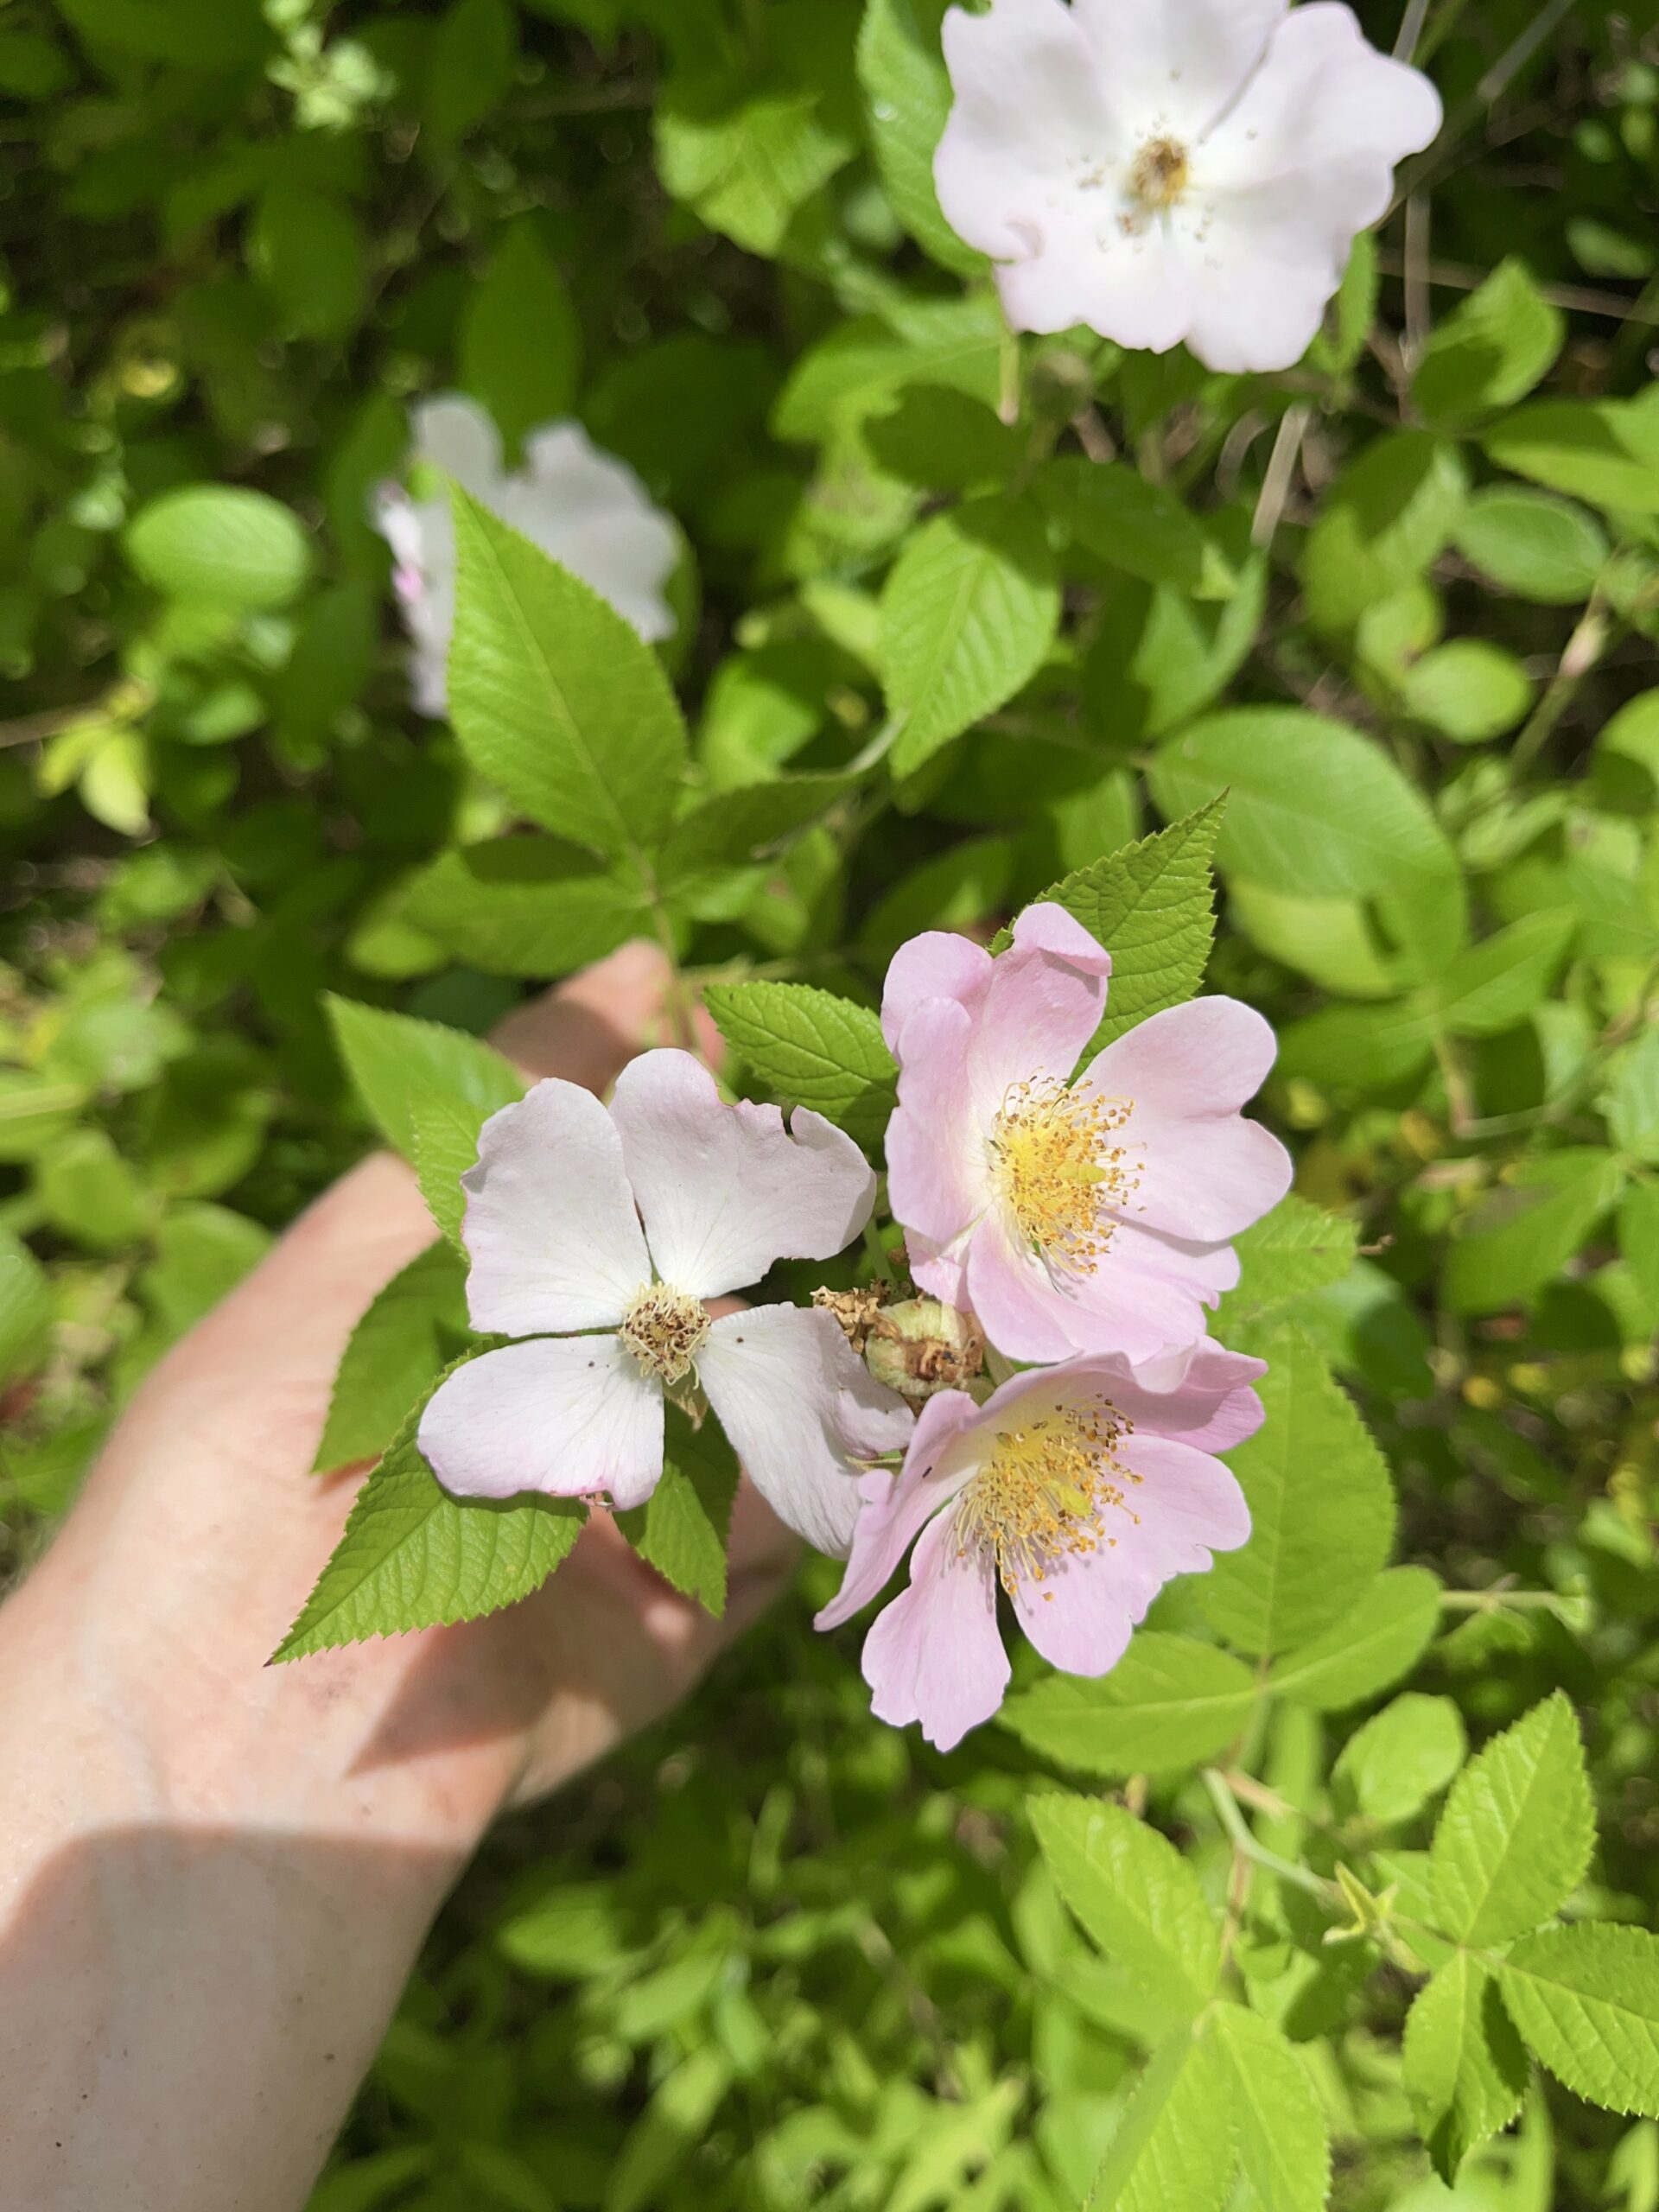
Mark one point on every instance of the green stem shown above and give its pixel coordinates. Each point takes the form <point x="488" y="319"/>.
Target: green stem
<point x="1493" y="1601"/>
<point x="879" y="1258"/>
<point x="1238" y="1834"/>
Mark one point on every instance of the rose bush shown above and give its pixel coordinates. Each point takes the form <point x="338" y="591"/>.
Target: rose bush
<point x="1088" y="568"/>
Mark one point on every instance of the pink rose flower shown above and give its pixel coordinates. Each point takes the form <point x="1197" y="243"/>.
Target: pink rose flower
<point x="1081" y="1489"/>
<point x="1170" y="169"/>
<point x="597" y="1234"/>
<point x="1072" y="1217"/>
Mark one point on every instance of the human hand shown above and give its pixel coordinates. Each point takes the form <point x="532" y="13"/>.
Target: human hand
<point x="136" y="1702"/>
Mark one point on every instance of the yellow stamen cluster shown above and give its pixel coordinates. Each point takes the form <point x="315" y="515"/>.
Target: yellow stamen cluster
<point x="1059" y="1170"/>
<point x="1158" y="174"/>
<point x="664" y="1329"/>
<point x="1041" y="1497"/>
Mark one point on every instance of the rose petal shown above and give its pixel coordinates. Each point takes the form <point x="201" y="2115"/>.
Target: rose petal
<point x="888" y="1526"/>
<point x="938" y="1179"/>
<point x="1204" y="1172"/>
<point x="592" y="514"/>
<point x="938" y="964"/>
<point x="1028" y="107"/>
<point x="724" y="1191"/>
<point x="1175" y="64"/>
<point x="550" y="1224"/>
<point x="934" y="1655"/>
<point x="456" y="434"/>
<point x="570" y="1416"/>
<point x="799" y="1405"/>
<point x="1043" y="1004"/>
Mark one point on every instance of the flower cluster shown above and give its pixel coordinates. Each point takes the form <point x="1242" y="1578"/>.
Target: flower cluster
<point x="1071" y="1227"/>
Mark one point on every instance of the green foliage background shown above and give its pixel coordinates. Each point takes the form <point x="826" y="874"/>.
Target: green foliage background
<point x="957" y="618"/>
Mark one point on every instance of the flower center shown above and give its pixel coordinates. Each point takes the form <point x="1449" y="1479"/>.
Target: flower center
<point x="1040" y="1497"/>
<point x="1158" y="174"/>
<point x="1058" y="1169"/>
<point x="664" y="1329"/>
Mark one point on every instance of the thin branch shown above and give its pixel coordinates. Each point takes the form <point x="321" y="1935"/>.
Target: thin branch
<point x="1411" y="29"/>
<point x="1239" y="1836"/>
<point x="1573" y="298"/>
<point x="1281" y="467"/>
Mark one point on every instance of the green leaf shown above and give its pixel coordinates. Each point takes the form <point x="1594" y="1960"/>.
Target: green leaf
<point x="1514" y="1840"/>
<point x="681" y="1530"/>
<point x="1539" y="547"/>
<point x="907" y="97"/>
<point x="733" y="828"/>
<point x="1349" y="1048"/>
<point x="1605" y="451"/>
<point x="960" y="889"/>
<point x="1490" y="352"/>
<point x="942" y="441"/>
<point x="1291" y="1252"/>
<point x="1638" y="1238"/>
<point x="862" y="366"/>
<point x="1331" y="941"/>
<point x="1462" y="2063"/>
<point x="472" y="52"/>
<point x="520" y="342"/>
<point x="202" y="1252"/>
<point x="1314" y="809"/>
<point x="967" y="615"/>
<point x="810" y="1048"/>
<point x="1491" y="986"/>
<point x="554" y="698"/>
<point x="1134" y="526"/>
<point x="393" y="1358"/>
<point x="1321" y="1508"/>
<point x="1527" y="1232"/>
<point x="1469" y="691"/>
<point x="1402" y="1757"/>
<point x="1159" y="657"/>
<point x="673" y="2126"/>
<point x="1152" y="906"/>
<point x="220" y="543"/>
<point x="391" y="1057"/>
<point x="92" y="1194"/>
<point x="1284" y="2146"/>
<point x="1170" y="1702"/>
<point x="526" y="906"/>
<point x="414" y="1557"/>
<point x="306" y="250"/>
<point x="1586" y="2000"/>
<point x="446" y="1146"/>
<point x="1174" y="2148"/>
<point x="1134" y="1895"/>
<point x="1378" y="1640"/>
<point x="25" y="1307"/>
<point x="1630" y="1101"/>
<point x="746" y="161"/>
<point x="1384" y="522"/>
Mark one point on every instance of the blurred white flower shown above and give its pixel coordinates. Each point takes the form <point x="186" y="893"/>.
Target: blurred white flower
<point x="585" y="507"/>
<point x="1170" y="169"/>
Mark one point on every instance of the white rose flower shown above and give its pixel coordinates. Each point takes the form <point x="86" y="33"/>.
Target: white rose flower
<point x="1163" y="171"/>
<point x="584" y="507"/>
